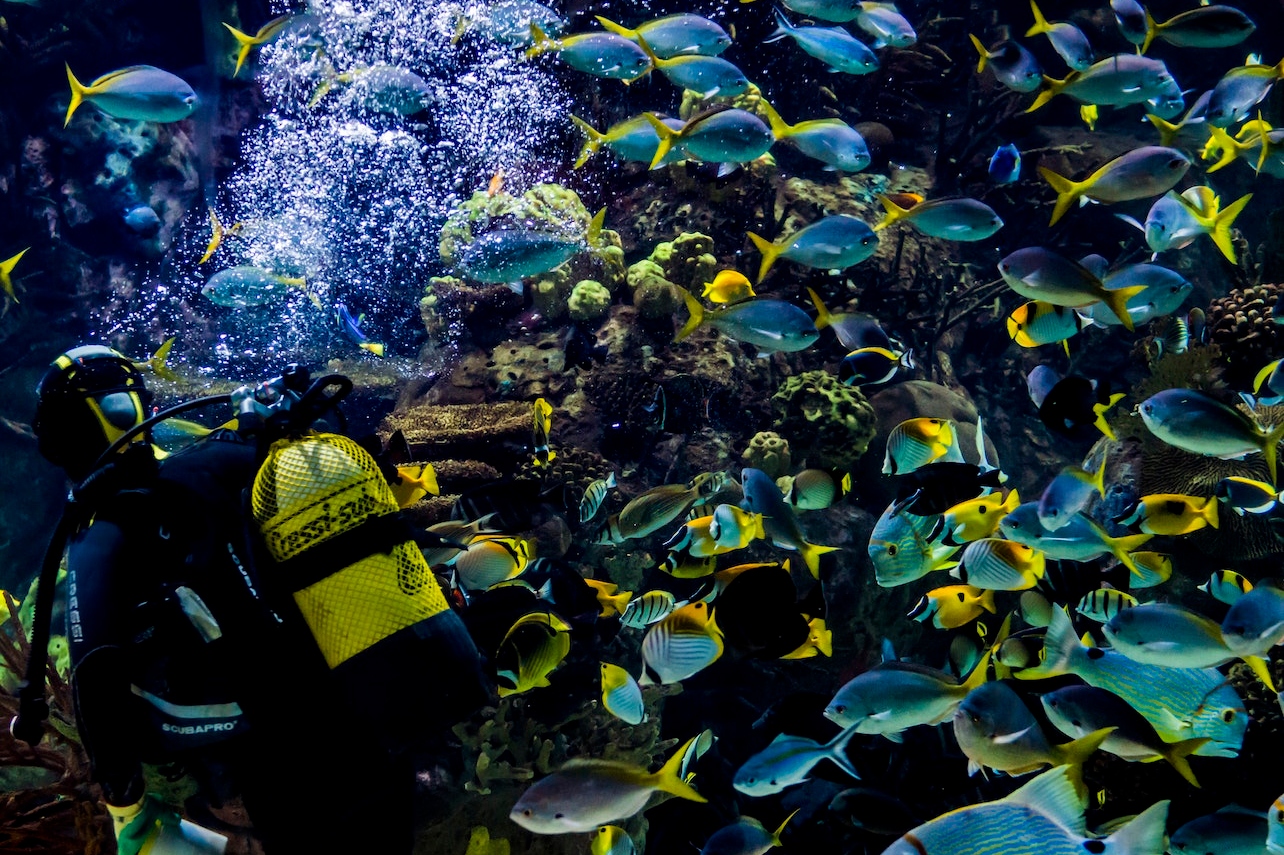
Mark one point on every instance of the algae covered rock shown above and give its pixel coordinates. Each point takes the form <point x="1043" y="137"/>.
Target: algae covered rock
<point x="768" y="451"/>
<point x="589" y="300"/>
<point x="684" y="262"/>
<point x="828" y="423"/>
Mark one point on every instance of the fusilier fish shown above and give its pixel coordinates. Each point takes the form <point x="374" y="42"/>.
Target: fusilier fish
<point x="958" y="219"/>
<point x="711" y="76"/>
<point x="831" y="141"/>
<point x="675" y="35"/>
<point x="1068" y="493"/>
<point x="788" y="760"/>
<point x="1041" y="274"/>
<point x="745" y="836"/>
<point x="1080" y="539"/>
<point x="633" y="140"/>
<point x="1162" y="291"/>
<point x="996" y="731"/>
<point x="510" y="255"/>
<point x="1175" y="220"/>
<point x="834" y="46"/>
<point x="894" y="696"/>
<point x="830" y="243"/>
<point x="726" y="136"/>
<point x="770" y="325"/>
<point x="140" y="92"/>
<point x="1255" y="622"/>
<point x="1013" y="65"/>
<point x="888" y="26"/>
<point x="1130" y="17"/>
<point x="1239" y="91"/>
<point x="1142" y="172"/>
<point x="599" y="54"/>
<point x="1215" y="26"/>
<point x="247" y="286"/>
<point x="1194" y="422"/>
<point x="1115" y="81"/>
<point x="1067" y="40"/>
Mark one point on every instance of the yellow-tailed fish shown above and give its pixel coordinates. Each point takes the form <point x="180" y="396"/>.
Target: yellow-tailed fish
<point x="415" y="481"/>
<point x="645" y="609"/>
<point x="762" y="496"/>
<point x="1068" y="493"/>
<point x="1176" y="219"/>
<point x="831" y="141"/>
<point x="1038" y="323"/>
<point x="158" y="362"/>
<point x="621" y="695"/>
<point x="1041" y="274"/>
<point x="682" y="644"/>
<point x="1081" y="539"/>
<point x="1114" y="81"/>
<point x="1173" y="636"/>
<point x="997" y="731"/>
<point x="140" y="92"/>
<point x="585" y="794"/>
<point x="1000" y="565"/>
<point x="725" y="135"/>
<point x="612" y="603"/>
<point x="675" y="35"/>
<point x="1247" y="495"/>
<point x="1172" y="514"/>
<point x="728" y="286"/>
<point x="820" y="641"/>
<point x="854" y="330"/>
<point x="1215" y="26"/>
<point x="959" y="219"/>
<point x="902" y="547"/>
<point x="1079" y="710"/>
<point x="1226" y="586"/>
<point x="977" y="518"/>
<point x="543" y="424"/>
<point x="734" y="528"/>
<point x="918" y="442"/>
<point x="246" y="43"/>
<point x="816" y="489"/>
<point x="1195" y="422"/>
<point x="745" y="836"/>
<point x="538" y="642"/>
<point x="1067" y="40"/>
<point x="1153" y="568"/>
<point x="682" y="565"/>
<point x="6" y="273"/>
<point x="952" y="606"/>
<point x="490" y="559"/>
<point x="1254" y="624"/>
<point x="481" y="843"/>
<point x="217" y="233"/>
<point x="830" y="243"/>
<point x="1138" y="174"/>
<point x="1013" y="65"/>
<point x="771" y="325"/>
<point x="611" y="840"/>
<point x="599" y="54"/>
<point x="246" y="286"/>
<point x="1104" y="603"/>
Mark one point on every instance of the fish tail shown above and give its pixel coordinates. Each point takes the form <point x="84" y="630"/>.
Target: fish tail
<point x="1100" y="411"/>
<point x="823" y="317"/>
<point x="1053" y="89"/>
<point x="980" y="672"/>
<point x="987" y="601"/>
<point x="6" y="270"/>
<point x="782" y="28"/>
<point x="779" y="128"/>
<point x="1228" y="148"/>
<point x="428" y="476"/>
<point x="595" y="140"/>
<point x="1152" y="30"/>
<point x="374" y="347"/>
<point x="593" y="235"/>
<point x="811" y="553"/>
<point x="1077" y="752"/>
<point x="1177" y="752"/>
<point x="836" y="750"/>
<point x="1167" y="130"/>
<point x="1210" y="512"/>
<point x="1041" y="24"/>
<point x="1098" y="481"/>
<point x="697" y="316"/>
<point x="1068" y="192"/>
<point x="980" y="49"/>
<point x="894" y="213"/>
<point x="1144" y="834"/>
<point x="1117" y="302"/>
<point x="1059" y="644"/>
<point x="775" y="836"/>
<point x="540" y="42"/>
<point x="159" y="363"/>
<point x="1262" y="670"/>
<point x="770" y="252"/>
<point x="245" y="43"/>
<point x="612" y="27"/>
<point x="1221" y="233"/>
<point x="1121" y="546"/>
<point x="1269" y="447"/>
<point x="78" y="93"/>
<point x="667" y="136"/>
<point x="669" y="778"/>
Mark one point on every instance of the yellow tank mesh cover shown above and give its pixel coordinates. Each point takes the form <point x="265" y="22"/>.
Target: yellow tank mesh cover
<point x="311" y="489"/>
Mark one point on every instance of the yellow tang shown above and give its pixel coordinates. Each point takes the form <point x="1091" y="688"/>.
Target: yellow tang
<point x="729" y="286"/>
<point x="952" y="606"/>
<point x="538" y="641"/>
<point x="820" y="641"/>
<point x="611" y="602"/>
<point x="414" y="481"/>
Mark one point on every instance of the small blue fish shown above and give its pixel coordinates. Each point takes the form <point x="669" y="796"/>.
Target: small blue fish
<point x="141" y="92"/>
<point x="726" y="136"/>
<point x="351" y="327"/>
<point x="1068" y="493"/>
<point x="675" y="35"/>
<point x="1013" y="66"/>
<point x="633" y="139"/>
<point x="831" y="141"/>
<point x="510" y="255"/>
<point x="770" y="325"/>
<point x="599" y="54"/>
<point x="1005" y="164"/>
<point x="834" y="46"/>
<point x="1067" y="40"/>
<point x="831" y="243"/>
<point x="788" y="760"/>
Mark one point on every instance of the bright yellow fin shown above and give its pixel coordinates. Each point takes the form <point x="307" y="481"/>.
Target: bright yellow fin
<point x="770" y="252"/>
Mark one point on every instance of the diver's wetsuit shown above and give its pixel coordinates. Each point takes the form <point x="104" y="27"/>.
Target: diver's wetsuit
<point x="257" y="702"/>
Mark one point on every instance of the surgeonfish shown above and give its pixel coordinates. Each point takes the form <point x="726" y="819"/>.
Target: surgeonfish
<point x="728" y="286"/>
<point x="762" y="496"/>
<point x="594" y="496"/>
<point x="6" y="274"/>
<point x="820" y="641"/>
<point x="952" y="606"/>
<point x="895" y="696"/>
<point x="1041" y="274"/>
<point x="538" y="642"/>
<point x="264" y="34"/>
<point x="351" y="328"/>
<point x="773" y="326"/>
<point x="1138" y="174"/>
<point x="585" y="794"/>
<point x="1005" y="164"/>
<point x="1067" y="40"/>
<point x="675" y="35"/>
<point x="621" y="695"/>
<point x="543" y="424"/>
<point x="919" y="442"/>
<point x="1226" y="586"/>
<point x="599" y="54"/>
<point x="834" y="46"/>
<point x="1215" y="26"/>
<point x="1080" y="539"/>
<point x="1194" y="422"/>
<point x="682" y="644"/>
<point x="1180" y="703"/>
<point x="247" y="286"/>
<point x="834" y="242"/>
<point x="996" y="731"/>
<point x="831" y="141"/>
<point x="1044" y="817"/>
<point x="725" y="136"/>
<point x="1069" y="493"/>
<point x="788" y="760"/>
<point x="1079" y="710"/>
<point x="1104" y="603"/>
<point x="659" y="506"/>
<point x="139" y="92"/>
<point x="958" y="219"/>
<point x="745" y="836"/>
<point x="1172" y="514"/>
<point x="1013" y="65"/>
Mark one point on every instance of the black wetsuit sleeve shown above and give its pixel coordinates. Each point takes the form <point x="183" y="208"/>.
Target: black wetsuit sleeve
<point x="98" y="634"/>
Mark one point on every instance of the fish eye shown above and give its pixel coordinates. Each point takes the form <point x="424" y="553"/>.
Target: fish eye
<point x="1228" y="716"/>
<point x="1095" y="653"/>
<point x="983" y="509"/>
<point x="558" y="815"/>
<point x="1094" y="846"/>
<point x="528" y="812"/>
<point x="891" y="549"/>
<point x="840" y="709"/>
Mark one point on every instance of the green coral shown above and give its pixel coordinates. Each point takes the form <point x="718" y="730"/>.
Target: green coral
<point x="687" y="261"/>
<point x="768" y="451"/>
<point x="827" y="422"/>
<point x="589" y="299"/>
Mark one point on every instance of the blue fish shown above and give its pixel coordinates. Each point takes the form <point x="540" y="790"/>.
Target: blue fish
<point x="1005" y="164"/>
<point x="351" y="327"/>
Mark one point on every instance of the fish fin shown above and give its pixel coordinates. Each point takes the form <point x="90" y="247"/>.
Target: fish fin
<point x="779" y="128"/>
<point x="1059" y="644"/>
<point x="1121" y="546"/>
<point x="1100" y="411"/>
<point x="1209" y="511"/>
<point x="770" y="252"/>
<point x="1130" y="220"/>
<point x="244" y="44"/>
<point x="893" y="213"/>
<point x="612" y="27"/>
<point x="593" y="236"/>
<point x="669" y="778"/>
<point x="987" y="601"/>
<point x="591" y="145"/>
<point x="540" y="42"/>
<point x="972" y="767"/>
<point x="1009" y="738"/>
<point x="1041" y="24"/>
<point x="811" y="553"/>
<point x="1269" y="446"/>
<point x="1220" y="141"/>
<point x="1077" y="752"/>
<point x="1167" y="130"/>
<point x="775" y="837"/>
<point x="697" y="315"/>
<point x="1098" y="480"/>
<point x="979" y="673"/>
<point x="895" y="736"/>
<point x="823" y="316"/>
<point x="1262" y="670"/>
<point x="78" y="92"/>
<point x="667" y="136"/>
<point x="1060" y="795"/>
<point x="1068" y="192"/>
<point x="837" y="752"/>
<point x="1145" y="833"/>
<point x="1221" y="233"/>
<point x="980" y="48"/>
<point x="1177" y="752"/>
<point x="1152" y="29"/>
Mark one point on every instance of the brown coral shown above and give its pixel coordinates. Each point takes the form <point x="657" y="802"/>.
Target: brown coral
<point x="1240" y="324"/>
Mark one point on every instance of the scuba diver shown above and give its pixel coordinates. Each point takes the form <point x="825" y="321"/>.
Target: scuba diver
<point x="250" y="610"/>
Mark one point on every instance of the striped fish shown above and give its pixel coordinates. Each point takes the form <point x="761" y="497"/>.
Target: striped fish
<point x="621" y="695"/>
<point x="1000" y="565"/>
<point x="1226" y="586"/>
<point x="1153" y="568"/>
<point x="644" y="610"/>
<point x="918" y="442"/>
<point x="684" y="643"/>
<point x="594" y="495"/>
<point x="1104" y="603"/>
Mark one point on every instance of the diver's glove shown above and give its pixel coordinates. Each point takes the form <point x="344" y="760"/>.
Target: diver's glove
<point x="150" y="825"/>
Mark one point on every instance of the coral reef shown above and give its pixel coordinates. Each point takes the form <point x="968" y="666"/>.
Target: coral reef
<point x="829" y="424"/>
<point x="495" y="433"/>
<point x="518" y="368"/>
<point x="1240" y="325"/>
<point x="768" y="451"/>
<point x="686" y="261"/>
<point x="589" y="300"/>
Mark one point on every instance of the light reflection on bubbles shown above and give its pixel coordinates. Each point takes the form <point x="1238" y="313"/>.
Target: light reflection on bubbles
<point x="349" y="198"/>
